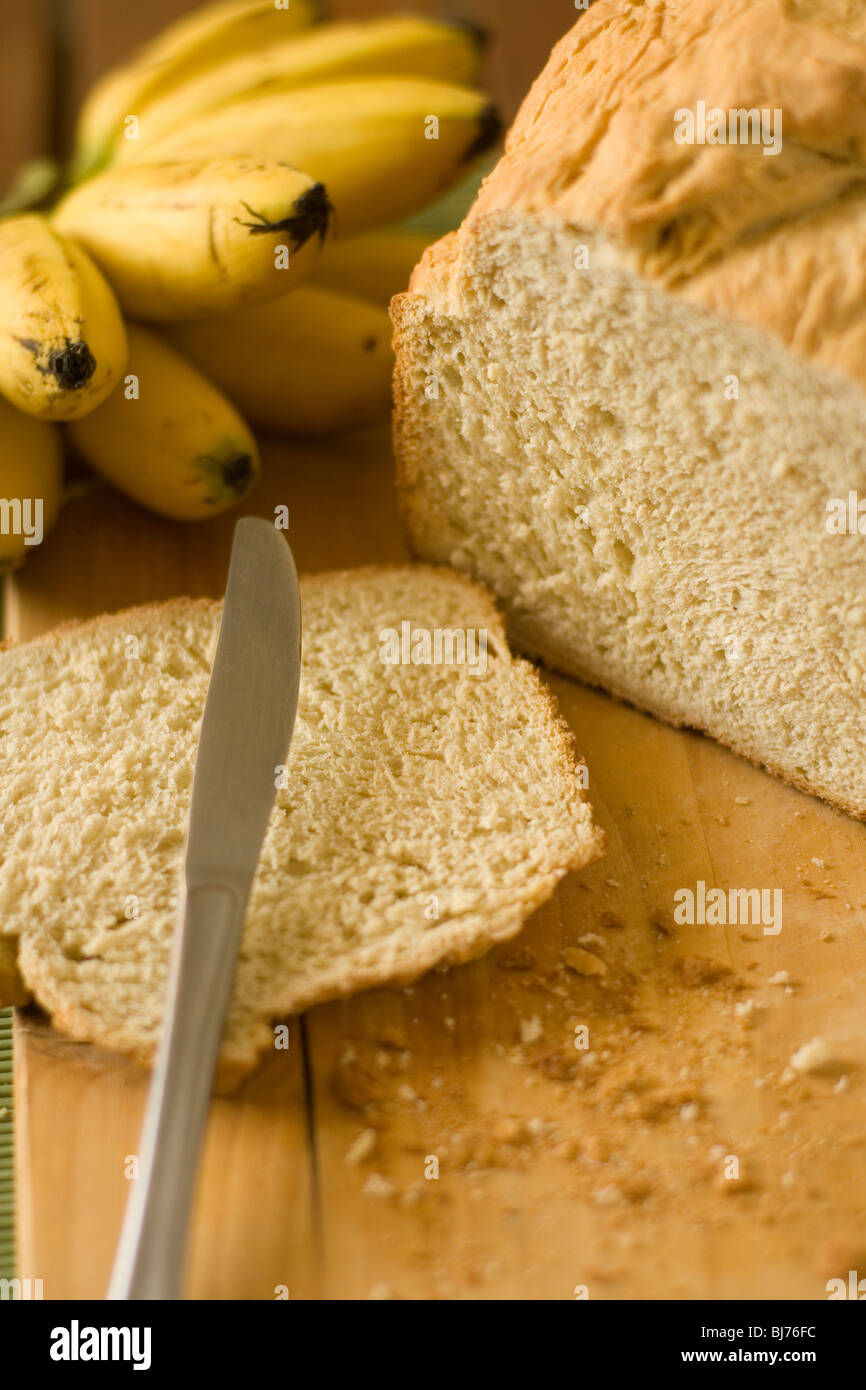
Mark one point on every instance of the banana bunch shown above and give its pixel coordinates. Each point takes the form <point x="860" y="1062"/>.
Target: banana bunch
<point x="235" y="187"/>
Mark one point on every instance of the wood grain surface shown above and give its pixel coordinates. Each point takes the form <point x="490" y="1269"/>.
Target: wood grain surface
<point x="451" y="1139"/>
<point x="27" y="101"/>
<point x="558" y="1168"/>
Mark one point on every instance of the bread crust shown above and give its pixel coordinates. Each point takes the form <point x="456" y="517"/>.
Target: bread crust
<point x="775" y="241"/>
<point x="659" y="710"/>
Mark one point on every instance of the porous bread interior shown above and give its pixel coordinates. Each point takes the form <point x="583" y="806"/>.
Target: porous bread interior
<point x="408" y="787"/>
<point x="644" y="532"/>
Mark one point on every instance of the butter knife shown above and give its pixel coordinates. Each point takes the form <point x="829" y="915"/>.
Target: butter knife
<point x="246" y="729"/>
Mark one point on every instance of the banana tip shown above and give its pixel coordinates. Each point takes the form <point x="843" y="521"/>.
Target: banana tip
<point x="72" y="366"/>
<point x="477" y="32"/>
<point x="312" y="214"/>
<point x="488" y="131"/>
<point x="238" y="473"/>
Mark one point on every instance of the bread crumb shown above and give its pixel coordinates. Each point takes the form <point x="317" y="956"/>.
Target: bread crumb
<point x="781" y="977"/>
<point x="819" y="863"/>
<point x="660" y="921"/>
<point x="742" y="801"/>
<point x="363" y="1147"/>
<point x="590" y="938"/>
<point x="814" y="1057"/>
<point x="509" y="1131"/>
<point x="568" y="1148"/>
<point x="749" y="1010"/>
<point x="583" y="962"/>
<point x="689" y="1112"/>
<point x="531" y="1029"/>
<point x="826" y="934"/>
<point x="377" y="1186"/>
<point x="380" y="1293"/>
<point x="352" y="1085"/>
<point x="612" y="883"/>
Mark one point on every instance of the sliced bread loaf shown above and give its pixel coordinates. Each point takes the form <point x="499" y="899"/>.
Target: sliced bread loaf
<point x="429" y="804"/>
<point x="631" y="390"/>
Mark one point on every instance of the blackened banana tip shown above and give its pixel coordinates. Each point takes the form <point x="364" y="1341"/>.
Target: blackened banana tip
<point x="312" y="214"/>
<point x="237" y="473"/>
<point x="72" y="366"/>
<point x="489" y="131"/>
<point x="477" y="32"/>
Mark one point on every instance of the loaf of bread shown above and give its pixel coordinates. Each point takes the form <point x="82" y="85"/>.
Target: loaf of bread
<point x="631" y="390"/>
<point x="432" y="798"/>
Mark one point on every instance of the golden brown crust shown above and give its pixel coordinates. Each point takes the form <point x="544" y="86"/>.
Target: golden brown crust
<point x="659" y="710"/>
<point x="776" y="241"/>
<point x="143" y="612"/>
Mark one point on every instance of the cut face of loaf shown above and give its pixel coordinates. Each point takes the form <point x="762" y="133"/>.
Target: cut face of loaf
<point x="427" y="807"/>
<point x="645" y="484"/>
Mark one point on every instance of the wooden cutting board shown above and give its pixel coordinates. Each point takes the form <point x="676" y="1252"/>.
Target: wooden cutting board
<point x="561" y="1170"/>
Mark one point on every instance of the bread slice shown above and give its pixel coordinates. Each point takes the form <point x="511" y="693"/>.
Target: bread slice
<point x="427" y="808"/>
<point x="631" y="390"/>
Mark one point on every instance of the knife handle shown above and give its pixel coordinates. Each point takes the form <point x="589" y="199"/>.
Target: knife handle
<point x="150" y="1255"/>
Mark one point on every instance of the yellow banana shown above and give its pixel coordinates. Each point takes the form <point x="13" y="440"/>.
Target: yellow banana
<point x="395" y="45"/>
<point x="313" y="362"/>
<point x="168" y="438"/>
<point x="62" y="340"/>
<point x="374" y="265"/>
<point x="31" y="477"/>
<point x="382" y="147"/>
<point x="180" y="241"/>
<point x="194" y="44"/>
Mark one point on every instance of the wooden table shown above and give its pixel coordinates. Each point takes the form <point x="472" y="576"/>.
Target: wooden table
<point x="679" y="1157"/>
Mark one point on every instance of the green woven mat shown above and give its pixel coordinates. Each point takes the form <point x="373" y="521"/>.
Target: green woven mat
<point x="436" y="220"/>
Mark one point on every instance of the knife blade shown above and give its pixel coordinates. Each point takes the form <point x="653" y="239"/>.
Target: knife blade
<point x="246" y="728"/>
